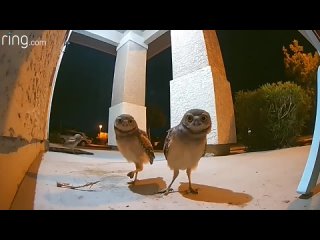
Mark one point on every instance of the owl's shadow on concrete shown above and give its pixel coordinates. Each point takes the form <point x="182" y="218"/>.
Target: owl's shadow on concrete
<point x="213" y="194"/>
<point x="149" y="186"/>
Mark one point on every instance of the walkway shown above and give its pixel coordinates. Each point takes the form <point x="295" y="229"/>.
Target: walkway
<point x="257" y="180"/>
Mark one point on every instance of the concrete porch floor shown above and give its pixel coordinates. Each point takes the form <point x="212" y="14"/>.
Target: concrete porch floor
<point x="257" y="180"/>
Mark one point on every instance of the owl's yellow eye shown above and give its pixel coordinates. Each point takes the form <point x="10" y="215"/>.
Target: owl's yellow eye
<point x="203" y="118"/>
<point x="189" y="118"/>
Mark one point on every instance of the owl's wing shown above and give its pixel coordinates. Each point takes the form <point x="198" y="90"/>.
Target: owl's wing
<point x="146" y="144"/>
<point x="168" y="141"/>
<point x="204" y="150"/>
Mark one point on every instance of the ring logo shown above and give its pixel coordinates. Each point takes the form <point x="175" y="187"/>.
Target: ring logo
<point x="16" y="40"/>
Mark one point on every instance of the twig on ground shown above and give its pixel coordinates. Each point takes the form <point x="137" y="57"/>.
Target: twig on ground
<point x="67" y="185"/>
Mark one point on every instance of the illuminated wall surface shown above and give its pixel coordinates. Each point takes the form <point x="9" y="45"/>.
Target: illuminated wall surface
<point x="199" y="81"/>
<point x="27" y="65"/>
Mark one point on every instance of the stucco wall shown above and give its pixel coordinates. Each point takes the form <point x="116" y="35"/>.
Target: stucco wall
<point x="222" y="90"/>
<point x="26" y="76"/>
<point x="194" y="90"/>
<point x="130" y="75"/>
<point x="199" y="81"/>
<point x="188" y="52"/>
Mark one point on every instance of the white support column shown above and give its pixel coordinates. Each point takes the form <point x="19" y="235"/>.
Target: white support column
<point x="199" y="81"/>
<point x="312" y="169"/>
<point x="128" y="95"/>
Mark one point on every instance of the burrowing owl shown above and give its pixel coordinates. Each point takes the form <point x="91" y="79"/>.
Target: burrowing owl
<point x="133" y="143"/>
<point x="186" y="143"/>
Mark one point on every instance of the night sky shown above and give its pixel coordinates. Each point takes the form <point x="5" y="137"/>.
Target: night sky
<point x="159" y="74"/>
<point x="82" y="94"/>
<point x="83" y="90"/>
<point x="255" y="57"/>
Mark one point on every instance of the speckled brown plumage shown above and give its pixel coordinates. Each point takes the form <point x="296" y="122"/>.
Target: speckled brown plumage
<point x="133" y="143"/>
<point x="186" y="143"/>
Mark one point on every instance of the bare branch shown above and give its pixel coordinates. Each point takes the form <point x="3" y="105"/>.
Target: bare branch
<point x="67" y="185"/>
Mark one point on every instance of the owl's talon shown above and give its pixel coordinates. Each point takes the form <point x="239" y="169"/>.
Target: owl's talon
<point x="162" y="191"/>
<point x="132" y="182"/>
<point x="130" y="174"/>
<point x="193" y="191"/>
<point x="166" y="191"/>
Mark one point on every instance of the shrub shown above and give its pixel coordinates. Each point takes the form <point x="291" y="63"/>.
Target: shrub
<point x="248" y="119"/>
<point x="301" y="68"/>
<point x="287" y="110"/>
<point x="271" y="116"/>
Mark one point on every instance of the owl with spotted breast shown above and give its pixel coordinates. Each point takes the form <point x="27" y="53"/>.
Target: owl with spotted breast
<point x="186" y="143"/>
<point x="133" y="143"/>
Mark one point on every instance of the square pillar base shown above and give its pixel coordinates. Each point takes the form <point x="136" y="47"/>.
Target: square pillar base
<point x="218" y="149"/>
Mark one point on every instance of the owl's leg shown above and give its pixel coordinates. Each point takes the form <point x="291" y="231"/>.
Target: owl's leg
<point x="189" y="177"/>
<point x="166" y="191"/>
<point x="139" y="168"/>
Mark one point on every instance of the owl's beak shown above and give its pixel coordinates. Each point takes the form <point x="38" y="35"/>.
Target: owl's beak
<point x="196" y="122"/>
<point x="125" y="123"/>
